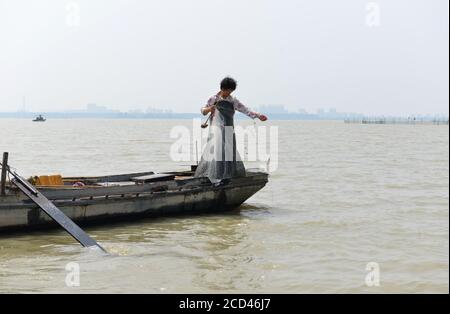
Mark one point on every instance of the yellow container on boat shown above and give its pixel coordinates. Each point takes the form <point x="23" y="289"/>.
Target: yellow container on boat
<point x="56" y="180"/>
<point x="43" y="180"/>
<point x="53" y="180"/>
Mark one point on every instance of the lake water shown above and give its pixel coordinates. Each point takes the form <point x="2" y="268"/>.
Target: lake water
<point x="344" y="196"/>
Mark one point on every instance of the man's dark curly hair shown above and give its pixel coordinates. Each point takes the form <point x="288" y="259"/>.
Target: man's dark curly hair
<point x="228" y="83"/>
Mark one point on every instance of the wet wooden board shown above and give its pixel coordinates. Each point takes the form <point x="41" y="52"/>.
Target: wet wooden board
<point x="57" y="215"/>
<point x="110" y="178"/>
<point x="154" y="178"/>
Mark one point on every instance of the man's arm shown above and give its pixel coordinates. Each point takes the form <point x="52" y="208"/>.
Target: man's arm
<point x="209" y="107"/>
<point x="245" y="110"/>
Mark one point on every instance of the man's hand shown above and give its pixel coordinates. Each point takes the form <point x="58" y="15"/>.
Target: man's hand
<point x="207" y="110"/>
<point x="262" y="117"/>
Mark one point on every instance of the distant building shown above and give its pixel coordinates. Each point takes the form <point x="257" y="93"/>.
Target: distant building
<point x="151" y="110"/>
<point x="273" y="109"/>
<point x="94" y="108"/>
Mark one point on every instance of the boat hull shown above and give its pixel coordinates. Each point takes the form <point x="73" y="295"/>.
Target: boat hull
<point x="129" y="203"/>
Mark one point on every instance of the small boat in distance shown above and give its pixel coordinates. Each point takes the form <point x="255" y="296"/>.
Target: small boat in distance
<point x="39" y="118"/>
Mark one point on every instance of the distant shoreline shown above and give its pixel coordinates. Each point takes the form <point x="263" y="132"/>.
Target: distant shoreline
<point x="184" y="116"/>
<point x="162" y="116"/>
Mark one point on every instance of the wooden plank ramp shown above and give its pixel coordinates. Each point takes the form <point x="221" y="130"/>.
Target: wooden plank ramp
<point x="54" y="212"/>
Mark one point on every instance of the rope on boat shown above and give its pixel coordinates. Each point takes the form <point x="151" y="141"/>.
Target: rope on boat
<point x="8" y="170"/>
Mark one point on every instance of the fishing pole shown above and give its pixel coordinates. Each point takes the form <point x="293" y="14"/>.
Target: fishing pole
<point x="205" y="124"/>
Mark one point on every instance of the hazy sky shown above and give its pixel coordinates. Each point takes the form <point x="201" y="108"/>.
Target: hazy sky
<point x="172" y="54"/>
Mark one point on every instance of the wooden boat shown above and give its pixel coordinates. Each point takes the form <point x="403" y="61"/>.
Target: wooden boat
<point x="127" y="196"/>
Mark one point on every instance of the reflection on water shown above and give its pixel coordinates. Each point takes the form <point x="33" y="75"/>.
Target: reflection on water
<point x="343" y="196"/>
<point x="211" y="244"/>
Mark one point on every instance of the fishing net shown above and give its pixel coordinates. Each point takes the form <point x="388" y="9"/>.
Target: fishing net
<point x="220" y="159"/>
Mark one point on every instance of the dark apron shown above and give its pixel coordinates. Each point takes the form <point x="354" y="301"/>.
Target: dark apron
<point x="225" y="162"/>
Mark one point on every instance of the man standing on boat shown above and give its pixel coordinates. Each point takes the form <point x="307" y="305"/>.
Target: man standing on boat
<point x="220" y="159"/>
